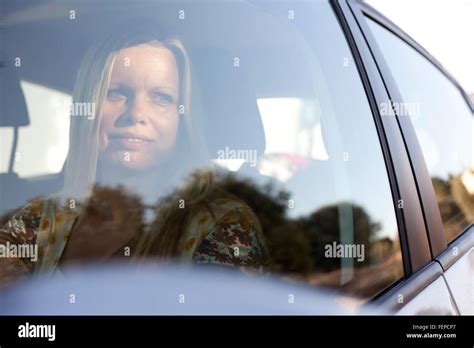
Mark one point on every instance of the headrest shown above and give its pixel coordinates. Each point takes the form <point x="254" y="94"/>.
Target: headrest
<point x="13" y="111"/>
<point x="231" y="115"/>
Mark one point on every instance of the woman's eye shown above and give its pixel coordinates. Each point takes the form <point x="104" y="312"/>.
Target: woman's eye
<point x="162" y="98"/>
<point x="115" y="95"/>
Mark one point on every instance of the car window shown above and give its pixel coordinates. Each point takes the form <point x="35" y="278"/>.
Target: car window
<point x="276" y="104"/>
<point x="48" y="111"/>
<point x="443" y="123"/>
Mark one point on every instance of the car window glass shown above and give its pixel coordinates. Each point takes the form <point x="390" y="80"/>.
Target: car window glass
<point x="444" y="126"/>
<point x="277" y="104"/>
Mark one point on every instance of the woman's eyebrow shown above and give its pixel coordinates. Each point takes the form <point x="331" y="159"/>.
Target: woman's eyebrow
<point x="164" y="88"/>
<point x="161" y="88"/>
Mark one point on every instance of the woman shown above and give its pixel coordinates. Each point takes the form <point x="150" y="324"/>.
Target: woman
<point x="141" y="143"/>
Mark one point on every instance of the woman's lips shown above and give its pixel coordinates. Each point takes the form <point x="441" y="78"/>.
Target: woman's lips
<point x="129" y="142"/>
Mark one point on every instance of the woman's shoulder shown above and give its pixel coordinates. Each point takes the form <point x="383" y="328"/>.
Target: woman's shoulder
<point x="222" y="210"/>
<point x="228" y="233"/>
<point x="23" y="223"/>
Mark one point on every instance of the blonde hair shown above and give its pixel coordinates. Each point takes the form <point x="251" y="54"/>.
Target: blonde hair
<point x="91" y="86"/>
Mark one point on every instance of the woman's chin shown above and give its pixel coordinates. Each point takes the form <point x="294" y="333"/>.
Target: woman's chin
<point x="131" y="161"/>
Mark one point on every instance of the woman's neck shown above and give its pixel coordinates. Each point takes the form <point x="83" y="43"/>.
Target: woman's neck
<point x="147" y="184"/>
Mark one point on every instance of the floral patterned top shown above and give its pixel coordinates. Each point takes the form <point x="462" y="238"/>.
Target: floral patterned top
<point x="231" y="236"/>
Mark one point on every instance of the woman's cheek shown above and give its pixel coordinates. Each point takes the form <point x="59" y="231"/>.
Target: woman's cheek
<point x="106" y="124"/>
<point x="167" y="128"/>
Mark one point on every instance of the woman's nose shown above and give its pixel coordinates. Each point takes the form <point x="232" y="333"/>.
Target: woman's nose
<point x="136" y="110"/>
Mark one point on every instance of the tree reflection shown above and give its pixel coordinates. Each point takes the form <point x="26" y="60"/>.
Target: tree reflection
<point x="113" y="219"/>
<point x="297" y="246"/>
<point x="456" y="203"/>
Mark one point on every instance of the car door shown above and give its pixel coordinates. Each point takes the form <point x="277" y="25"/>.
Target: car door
<point x="425" y="290"/>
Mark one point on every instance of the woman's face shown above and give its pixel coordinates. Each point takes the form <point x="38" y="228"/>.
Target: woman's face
<point x="140" y="114"/>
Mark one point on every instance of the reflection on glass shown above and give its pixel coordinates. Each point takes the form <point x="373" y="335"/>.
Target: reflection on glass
<point x="205" y="149"/>
<point x="444" y="126"/>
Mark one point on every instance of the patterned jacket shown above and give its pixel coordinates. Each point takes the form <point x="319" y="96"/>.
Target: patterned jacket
<point x="230" y="236"/>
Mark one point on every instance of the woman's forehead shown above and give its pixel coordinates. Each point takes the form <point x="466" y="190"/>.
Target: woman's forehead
<point x="145" y="63"/>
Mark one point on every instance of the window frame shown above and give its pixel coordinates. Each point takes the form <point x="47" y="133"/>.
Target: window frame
<point x="382" y="85"/>
<point x="434" y="224"/>
<point x="412" y="229"/>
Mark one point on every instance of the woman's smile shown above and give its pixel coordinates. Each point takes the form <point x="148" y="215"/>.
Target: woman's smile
<point x="129" y="141"/>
